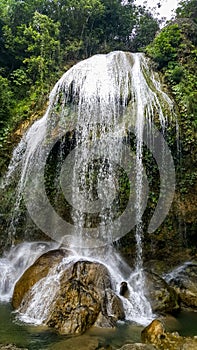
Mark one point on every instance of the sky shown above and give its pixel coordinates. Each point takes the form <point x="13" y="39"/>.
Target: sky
<point x="166" y="8"/>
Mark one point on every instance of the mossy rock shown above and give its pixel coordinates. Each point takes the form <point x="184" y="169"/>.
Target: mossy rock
<point x="162" y="297"/>
<point x="155" y="334"/>
<point x="184" y="282"/>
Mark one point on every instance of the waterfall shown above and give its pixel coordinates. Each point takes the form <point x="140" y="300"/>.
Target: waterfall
<point x="16" y="261"/>
<point x="92" y="109"/>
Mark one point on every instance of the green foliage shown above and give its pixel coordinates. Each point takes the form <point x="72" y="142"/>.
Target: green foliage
<point x="5" y="101"/>
<point x="187" y="9"/>
<point x="175" y="52"/>
<point x="175" y="73"/>
<point x="144" y="31"/>
<point x="166" y="44"/>
<point x="43" y="47"/>
<point x="38" y="38"/>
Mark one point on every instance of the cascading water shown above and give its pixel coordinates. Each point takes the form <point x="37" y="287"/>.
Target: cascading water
<point x="16" y="261"/>
<point x="91" y="110"/>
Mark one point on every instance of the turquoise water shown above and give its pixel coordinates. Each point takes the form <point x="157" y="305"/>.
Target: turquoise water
<point x="41" y="338"/>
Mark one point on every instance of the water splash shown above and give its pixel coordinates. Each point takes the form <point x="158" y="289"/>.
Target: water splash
<point x="15" y="261"/>
<point x="43" y="294"/>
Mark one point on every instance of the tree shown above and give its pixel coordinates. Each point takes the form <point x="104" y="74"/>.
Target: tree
<point x="175" y="52"/>
<point x="43" y="47"/>
<point x="187" y="9"/>
<point x="165" y="46"/>
<point x="144" y="30"/>
<point x="6" y="102"/>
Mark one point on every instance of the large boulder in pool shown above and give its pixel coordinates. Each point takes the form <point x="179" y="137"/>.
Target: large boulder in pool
<point x="85" y="298"/>
<point x="83" y="294"/>
<point x="35" y="272"/>
<point x="162" y="297"/>
<point x="184" y="281"/>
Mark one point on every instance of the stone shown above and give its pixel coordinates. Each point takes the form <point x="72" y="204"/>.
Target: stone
<point x="84" y="342"/>
<point x="155" y="334"/>
<point x="83" y="296"/>
<point x="137" y="346"/>
<point x="124" y="291"/>
<point x="85" y="299"/>
<point x="163" y="298"/>
<point x="10" y="347"/>
<point x="34" y="273"/>
<point x="154" y="331"/>
<point x="75" y="310"/>
<point x="184" y="282"/>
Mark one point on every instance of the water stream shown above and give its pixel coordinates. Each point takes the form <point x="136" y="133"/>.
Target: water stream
<point x="92" y="109"/>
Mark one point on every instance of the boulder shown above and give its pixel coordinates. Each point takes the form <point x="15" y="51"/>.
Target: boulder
<point x="83" y="294"/>
<point x="34" y="273"/>
<point x="155" y="334"/>
<point x="111" y="310"/>
<point x="163" y="298"/>
<point x="184" y="282"/>
<point x="85" y="299"/>
<point x="124" y="291"/>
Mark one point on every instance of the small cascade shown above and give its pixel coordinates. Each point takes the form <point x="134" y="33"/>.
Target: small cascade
<point x="44" y="292"/>
<point x="92" y="109"/>
<point x="14" y="263"/>
<point x="177" y="271"/>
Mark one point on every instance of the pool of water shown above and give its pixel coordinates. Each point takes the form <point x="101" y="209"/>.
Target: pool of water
<point x="187" y="323"/>
<point x="41" y="338"/>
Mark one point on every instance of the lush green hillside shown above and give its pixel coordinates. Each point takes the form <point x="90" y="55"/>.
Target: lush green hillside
<point x="174" y="51"/>
<point x="40" y="39"/>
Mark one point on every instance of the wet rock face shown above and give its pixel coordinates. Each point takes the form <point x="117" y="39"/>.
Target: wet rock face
<point x="84" y="296"/>
<point x="155" y="334"/>
<point x="75" y="310"/>
<point x="35" y="272"/>
<point x="184" y="281"/>
<point x="162" y="297"/>
<point x="124" y="291"/>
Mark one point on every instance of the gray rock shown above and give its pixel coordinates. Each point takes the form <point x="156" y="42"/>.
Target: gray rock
<point x="184" y="281"/>
<point x="137" y="346"/>
<point x="162" y="297"/>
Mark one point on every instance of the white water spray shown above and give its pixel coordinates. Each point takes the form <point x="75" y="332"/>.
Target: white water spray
<point x="14" y="263"/>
